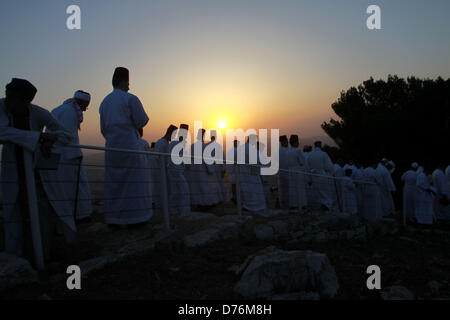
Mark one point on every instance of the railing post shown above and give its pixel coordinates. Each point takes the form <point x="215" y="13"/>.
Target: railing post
<point x="238" y="188"/>
<point x="33" y="209"/>
<point x="164" y="192"/>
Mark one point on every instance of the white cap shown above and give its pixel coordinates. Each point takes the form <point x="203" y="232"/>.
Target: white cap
<point x="414" y="165"/>
<point x="82" y="96"/>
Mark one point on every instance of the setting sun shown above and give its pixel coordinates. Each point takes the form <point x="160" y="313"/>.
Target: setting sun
<point x="222" y="124"/>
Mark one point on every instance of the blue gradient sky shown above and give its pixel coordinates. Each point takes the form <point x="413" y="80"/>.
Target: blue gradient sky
<point x="260" y="64"/>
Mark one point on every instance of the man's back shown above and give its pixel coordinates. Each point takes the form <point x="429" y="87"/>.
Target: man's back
<point x="121" y="115"/>
<point x="319" y="160"/>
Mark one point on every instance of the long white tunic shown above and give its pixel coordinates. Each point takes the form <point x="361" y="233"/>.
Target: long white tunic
<point x="424" y="200"/>
<point x="252" y="192"/>
<point x="308" y="178"/>
<point x="219" y="168"/>
<point x="386" y="187"/>
<point x="321" y="168"/>
<point x="11" y="137"/>
<point x="371" y="205"/>
<point x="283" y="178"/>
<point x="70" y="170"/>
<point x="127" y="194"/>
<point x="338" y="173"/>
<point x="442" y="190"/>
<point x="205" y="190"/>
<point x="161" y="146"/>
<point x="297" y="180"/>
<point x="349" y="203"/>
<point x="179" y="193"/>
<point x="409" y="193"/>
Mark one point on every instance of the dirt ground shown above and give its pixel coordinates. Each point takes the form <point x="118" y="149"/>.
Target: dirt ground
<point x="409" y="259"/>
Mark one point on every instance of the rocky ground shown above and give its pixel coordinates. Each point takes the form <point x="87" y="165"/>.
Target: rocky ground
<point x="220" y="255"/>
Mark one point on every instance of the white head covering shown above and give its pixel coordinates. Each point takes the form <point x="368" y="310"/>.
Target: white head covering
<point x="82" y="96"/>
<point x="420" y="169"/>
<point x="391" y="163"/>
<point x="414" y="165"/>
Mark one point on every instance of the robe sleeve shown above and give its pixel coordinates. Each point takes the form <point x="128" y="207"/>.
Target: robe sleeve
<point x="8" y="134"/>
<point x="138" y="115"/>
<point x="64" y="136"/>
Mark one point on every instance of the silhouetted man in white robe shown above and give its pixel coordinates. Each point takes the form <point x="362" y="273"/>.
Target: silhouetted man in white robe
<point x="321" y="168"/>
<point x="71" y="172"/>
<point x="127" y="193"/>
<point x="409" y="179"/>
<point x="371" y="203"/>
<point x="442" y="199"/>
<point x="161" y="146"/>
<point x="179" y="193"/>
<point x="424" y="199"/>
<point x="283" y="173"/>
<point x="21" y="129"/>
<point x="386" y="188"/>
<point x="349" y="203"/>
<point x="205" y="191"/>
<point x="297" y="179"/>
<point x="252" y="193"/>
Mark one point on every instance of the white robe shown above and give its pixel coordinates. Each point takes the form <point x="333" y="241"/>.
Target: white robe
<point x="11" y="137"/>
<point x="424" y="200"/>
<point x="70" y="171"/>
<point x="321" y="168"/>
<point x="205" y="190"/>
<point x="179" y="193"/>
<point x="349" y="203"/>
<point x="409" y="194"/>
<point x="386" y="187"/>
<point x="252" y="192"/>
<point x="283" y="178"/>
<point x="297" y="180"/>
<point x="442" y="190"/>
<point x="127" y="193"/>
<point x="338" y="173"/>
<point x="161" y="146"/>
<point x="308" y="180"/>
<point x="371" y="205"/>
<point x="219" y="169"/>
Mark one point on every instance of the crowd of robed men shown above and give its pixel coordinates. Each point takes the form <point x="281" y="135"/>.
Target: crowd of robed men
<point x="133" y="182"/>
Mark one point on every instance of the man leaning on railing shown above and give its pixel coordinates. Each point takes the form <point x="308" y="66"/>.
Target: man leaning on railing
<point x="21" y="126"/>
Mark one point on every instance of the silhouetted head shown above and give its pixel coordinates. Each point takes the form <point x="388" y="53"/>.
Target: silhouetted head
<point x="293" y="141"/>
<point x="121" y="79"/>
<point x="284" y="141"/>
<point x="18" y="96"/>
<point x="213" y="135"/>
<point x="170" y="131"/>
<point x="83" y="99"/>
<point x="318" y="144"/>
<point x="182" y="134"/>
<point x="348" y="172"/>
<point x="307" y="149"/>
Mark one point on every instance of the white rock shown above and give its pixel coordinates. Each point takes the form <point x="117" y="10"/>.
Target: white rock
<point x="280" y="272"/>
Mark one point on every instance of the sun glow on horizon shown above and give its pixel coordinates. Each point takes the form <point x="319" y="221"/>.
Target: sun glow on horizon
<point x="222" y="124"/>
